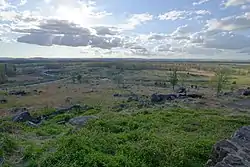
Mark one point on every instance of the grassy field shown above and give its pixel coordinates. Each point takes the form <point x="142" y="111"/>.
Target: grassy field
<point x="178" y="133"/>
<point x="148" y="137"/>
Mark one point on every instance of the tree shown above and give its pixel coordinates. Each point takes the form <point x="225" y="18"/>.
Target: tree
<point x="174" y="78"/>
<point x="221" y="79"/>
<point x="3" y="76"/>
<point x="79" y="78"/>
<point x="10" y="70"/>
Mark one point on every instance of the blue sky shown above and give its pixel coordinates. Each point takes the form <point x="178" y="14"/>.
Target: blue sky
<point x="206" y="29"/>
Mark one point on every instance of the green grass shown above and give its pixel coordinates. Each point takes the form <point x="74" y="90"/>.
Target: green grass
<point x="241" y="80"/>
<point x="149" y="138"/>
<point x="152" y="137"/>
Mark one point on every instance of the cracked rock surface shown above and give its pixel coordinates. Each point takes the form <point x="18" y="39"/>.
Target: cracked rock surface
<point x="234" y="152"/>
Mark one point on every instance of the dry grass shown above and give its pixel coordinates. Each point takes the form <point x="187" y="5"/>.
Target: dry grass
<point x="20" y="78"/>
<point x="55" y="95"/>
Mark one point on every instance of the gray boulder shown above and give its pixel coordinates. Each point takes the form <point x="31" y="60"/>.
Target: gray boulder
<point x="32" y="124"/>
<point x="156" y="98"/>
<point x="133" y="98"/>
<point x="246" y="93"/>
<point x="232" y="152"/>
<point x="195" y="96"/>
<point x="117" y="95"/>
<point x="22" y="117"/>
<point x="81" y="121"/>
<point x="18" y="93"/>
<point x="18" y="110"/>
<point x="182" y="90"/>
<point x="3" y="101"/>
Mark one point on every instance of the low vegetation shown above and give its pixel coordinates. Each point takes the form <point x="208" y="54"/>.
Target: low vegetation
<point x="129" y="128"/>
<point x="173" y="137"/>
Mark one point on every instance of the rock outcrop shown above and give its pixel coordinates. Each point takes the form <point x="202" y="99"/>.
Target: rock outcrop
<point x="18" y="93"/>
<point x="22" y="117"/>
<point x="156" y="98"/>
<point x="3" y="101"/>
<point x="25" y="116"/>
<point x="246" y="92"/>
<point x="232" y="152"/>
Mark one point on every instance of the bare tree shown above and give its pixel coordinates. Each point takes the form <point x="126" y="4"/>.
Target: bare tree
<point x="174" y="78"/>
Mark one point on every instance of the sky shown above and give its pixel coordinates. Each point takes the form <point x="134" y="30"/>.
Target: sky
<point x="190" y="29"/>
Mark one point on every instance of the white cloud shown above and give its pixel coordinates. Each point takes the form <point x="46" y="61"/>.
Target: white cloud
<point x="197" y="37"/>
<point x="82" y="24"/>
<point x="245" y="7"/>
<point x="16" y="17"/>
<point x="227" y="40"/>
<point x="221" y="40"/>
<point x="61" y="32"/>
<point x="182" y="33"/>
<point x="202" y="12"/>
<point x="179" y="15"/>
<point x="173" y="15"/>
<point x="236" y="2"/>
<point x="136" y="20"/>
<point x="23" y="2"/>
<point x="200" y="2"/>
<point x="80" y="12"/>
<point x="155" y="36"/>
<point x="185" y="40"/>
<point x="53" y="24"/>
<point x="163" y="48"/>
<point x="2" y="2"/>
<point x="230" y="23"/>
<point x="4" y="5"/>
<point x="103" y="30"/>
<point x="182" y="30"/>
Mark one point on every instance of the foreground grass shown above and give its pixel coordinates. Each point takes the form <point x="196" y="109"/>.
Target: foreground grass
<point x="146" y="138"/>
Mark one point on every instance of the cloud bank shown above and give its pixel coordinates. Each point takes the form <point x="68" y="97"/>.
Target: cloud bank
<point x="85" y="25"/>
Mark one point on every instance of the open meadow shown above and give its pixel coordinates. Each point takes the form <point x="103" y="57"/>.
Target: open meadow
<point x="119" y="113"/>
